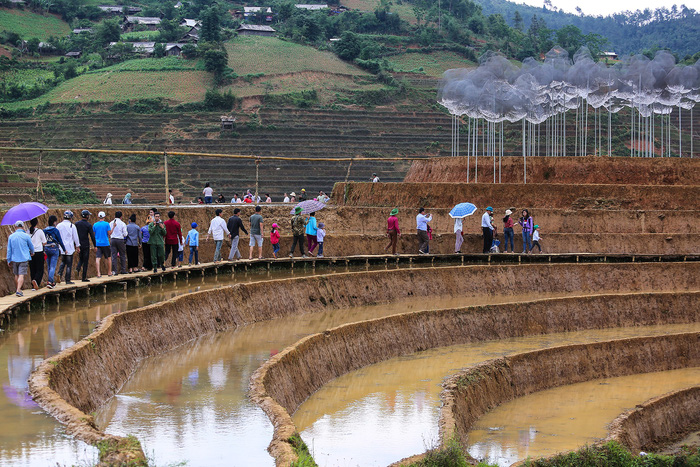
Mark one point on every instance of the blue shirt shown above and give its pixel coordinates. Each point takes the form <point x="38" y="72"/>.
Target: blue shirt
<point x="101" y="236"/>
<point x="19" y="247"/>
<point x="145" y="234"/>
<point x="311" y="226"/>
<point x="192" y="238"/>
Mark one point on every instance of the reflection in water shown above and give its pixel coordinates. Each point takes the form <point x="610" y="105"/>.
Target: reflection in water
<point x="388" y="411"/>
<point x="568" y="417"/>
<point x="28" y="436"/>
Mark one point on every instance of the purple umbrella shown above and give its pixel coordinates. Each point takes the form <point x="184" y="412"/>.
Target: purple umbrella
<point x="309" y="206"/>
<point x="23" y="212"/>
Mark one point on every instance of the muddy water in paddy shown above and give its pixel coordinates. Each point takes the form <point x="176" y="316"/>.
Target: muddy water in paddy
<point x="28" y="436"/>
<point x="388" y="411"/>
<point x="565" y="418"/>
<point x="191" y="404"/>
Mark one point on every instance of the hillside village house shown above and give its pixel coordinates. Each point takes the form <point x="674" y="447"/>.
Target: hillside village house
<point x="191" y="36"/>
<point x="190" y="23"/>
<point x="119" y="9"/>
<point x="131" y="22"/>
<point x="255" y="30"/>
<point x="254" y="11"/>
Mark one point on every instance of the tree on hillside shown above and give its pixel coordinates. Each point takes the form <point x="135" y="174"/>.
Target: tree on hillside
<point x="349" y="46"/>
<point x="518" y="21"/>
<point x="170" y="31"/>
<point x="211" y="28"/>
<point x="108" y="31"/>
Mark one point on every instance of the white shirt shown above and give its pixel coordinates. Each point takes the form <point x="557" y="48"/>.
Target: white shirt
<point x="286" y="199"/>
<point x="486" y="220"/>
<point x="268" y="200"/>
<point x="375" y="179"/>
<point x="458" y="225"/>
<point x="38" y="239"/>
<point x="422" y="221"/>
<point x="69" y="235"/>
<point x="107" y="201"/>
<point x="535" y="236"/>
<point x="118" y="229"/>
<point x="217" y="227"/>
<point x="320" y="235"/>
<point x="172" y="199"/>
<point x="208" y="191"/>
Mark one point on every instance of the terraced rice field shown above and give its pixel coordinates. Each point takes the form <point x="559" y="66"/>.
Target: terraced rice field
<point x="432" y="64"/>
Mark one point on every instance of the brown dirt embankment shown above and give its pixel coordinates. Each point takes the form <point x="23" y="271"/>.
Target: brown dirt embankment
<point x="535" y="196"/>
<point x="290" y="377"/>
<point x="658" y="421"/>
<point x="76" y="381"/>
<point x="563" y="170"/>
<point x="471" y="393"/>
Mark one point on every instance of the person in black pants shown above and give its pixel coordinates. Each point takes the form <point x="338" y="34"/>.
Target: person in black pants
<point x="36" y="264"/>
<point x="487" y="228"/>
<point x="85" y="235"/>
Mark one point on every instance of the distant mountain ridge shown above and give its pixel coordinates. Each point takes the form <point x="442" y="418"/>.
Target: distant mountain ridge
<point x="675" y="28"/>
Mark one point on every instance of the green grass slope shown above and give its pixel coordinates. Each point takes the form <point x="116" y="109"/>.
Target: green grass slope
<point x="28" y="24"/>
<point x="431" y="64"/>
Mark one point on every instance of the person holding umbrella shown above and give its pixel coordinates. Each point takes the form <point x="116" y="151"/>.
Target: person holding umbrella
<point x="458" y="213"/>
<point x="36" y="265"/>
<point x="19" y="252"/>
<point x="392" y="230"/>
<point x="487" y="228"/>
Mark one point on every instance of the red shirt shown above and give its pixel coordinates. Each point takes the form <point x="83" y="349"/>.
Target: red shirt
<point x="508" y="224"/>
<point x="275" y="237"/>
<point x="173" y="232"/>
<point x="393" y="224"/>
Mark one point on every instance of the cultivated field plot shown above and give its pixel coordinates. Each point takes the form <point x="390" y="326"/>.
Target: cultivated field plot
<point x="269" y="55"/>
<point x="25" y="77"/>
<point x="28" y="24"/>
<point x="150" y="64"/>
<point x="432" y="64"/>
<point x="176" y="86"/>
<point x="405" y="11"/>
<point x="302" y="81"/>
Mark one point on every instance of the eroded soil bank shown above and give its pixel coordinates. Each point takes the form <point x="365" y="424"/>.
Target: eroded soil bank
<point x="446" y="195"/>
<point x="658" y="421"/>
<point x="67" y="385"/>
<point x="290" y="377"/>
<point x="564" y="170"/>
<point x="470" y="393"/>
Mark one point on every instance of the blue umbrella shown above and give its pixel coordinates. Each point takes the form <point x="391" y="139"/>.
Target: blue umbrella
<point x="23" y="212"/>
<point x="462" y="210"/>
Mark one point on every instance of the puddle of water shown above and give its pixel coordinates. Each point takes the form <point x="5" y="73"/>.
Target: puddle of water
<point x="388" y="411"/>
<point x="566" y="418"/>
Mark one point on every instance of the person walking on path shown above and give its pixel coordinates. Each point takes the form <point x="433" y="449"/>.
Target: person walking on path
<point x="256" y="232"/>
<point x="536" y="239"/>
<point x="54" y="245"/>
<point x="127" y="199"/>
<point x="234" y="225"/>
<point x="69" y="234"/>
<point x="217" y="229"/>
<point x="320" y="238"/>
<point x="311" y="231"/>
<point x="275" y="240"/>
<point x="156" y="230"/>
<point x="208" y="193"/>
<point x="422" y="229"/>
<point x="526" y="223"/>
<point x="375" y="179"/>
<point x="459" y="235"/>
<point x="286" y="198"/>
<point x="298" y="229"/>
<point x="36" y="265"/>
<point x="192" y="240"/>
<point x="508" y="232"/>
<point x="145" y="246"/>
<point x="302" y="195"/>
<point x="133" y="242"/>
<point x="108" y="199"/>
<point x="487" y="229"/>
<point x="392" y="230"/>
<point x="19" y="252"/>
<point x="171" y="198"/>
<point x="173" y="237"/>
<point x="86" y="234"/>
<point x="118" y="243"/>
<point x="102" y="230"/>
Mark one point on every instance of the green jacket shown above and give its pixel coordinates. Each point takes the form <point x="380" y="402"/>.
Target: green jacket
<point x="298" y="225"/>
<point x="157" y="232"/>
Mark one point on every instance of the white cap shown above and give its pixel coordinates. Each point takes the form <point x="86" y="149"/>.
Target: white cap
<point x="19" y="224"/>
<point x="101" y="214"/>
<point x="109" y="195"/>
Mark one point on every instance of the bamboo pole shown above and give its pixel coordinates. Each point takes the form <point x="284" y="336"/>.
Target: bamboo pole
<point x="167" y="190"/>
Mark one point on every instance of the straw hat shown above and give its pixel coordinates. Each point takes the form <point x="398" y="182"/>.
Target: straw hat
<point x="292" y="194"/>
<point x="508" y="212"/>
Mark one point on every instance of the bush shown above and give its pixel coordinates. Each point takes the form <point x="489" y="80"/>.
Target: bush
<point x="215" y="100"/>
<point x="70" y="195"/>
